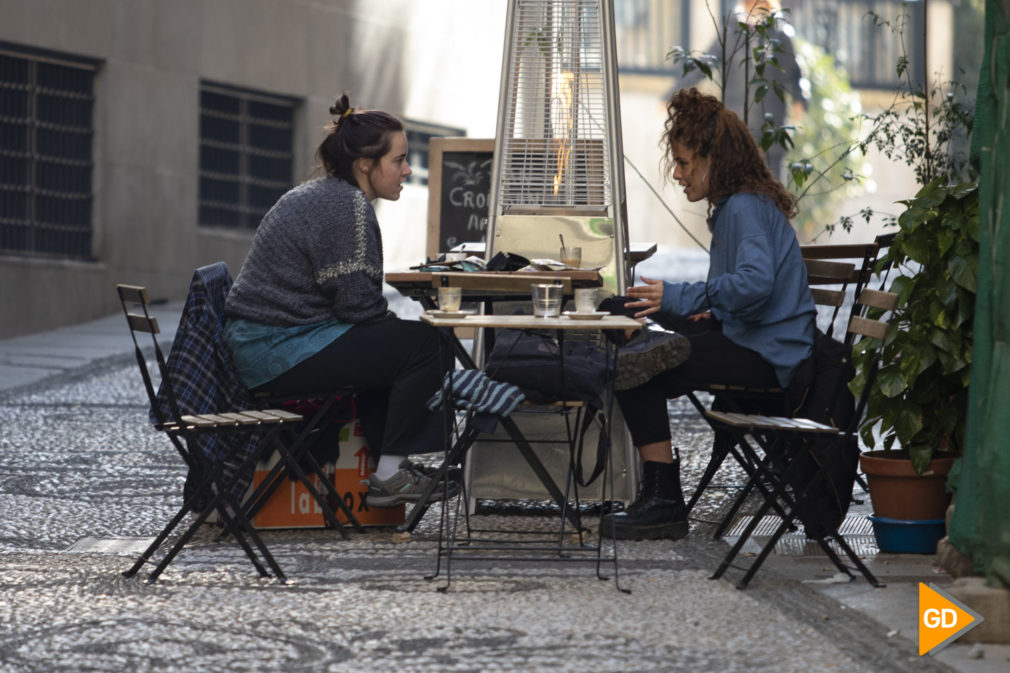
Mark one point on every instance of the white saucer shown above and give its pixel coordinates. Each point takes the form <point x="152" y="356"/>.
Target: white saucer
<point x="448" y="314"/>
<point x="591" y="315"/>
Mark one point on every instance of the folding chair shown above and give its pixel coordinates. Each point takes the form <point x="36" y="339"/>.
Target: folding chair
<point x="828" y="285"/>
<point x="820" y="273"/>
<point x="794" y="457"/>
<point x="297" y="454"/>
<point x="213" y="446"/>
<point x="296" y="458"/>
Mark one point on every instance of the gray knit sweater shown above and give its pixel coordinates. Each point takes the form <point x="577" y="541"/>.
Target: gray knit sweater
<point x="317" y="255"/>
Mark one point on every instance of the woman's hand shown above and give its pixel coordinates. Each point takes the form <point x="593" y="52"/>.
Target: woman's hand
<point x="698" y="317"/>
<point x="649" y="296"/>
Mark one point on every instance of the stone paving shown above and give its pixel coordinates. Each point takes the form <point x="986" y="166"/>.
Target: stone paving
<point x="85" y="481"/>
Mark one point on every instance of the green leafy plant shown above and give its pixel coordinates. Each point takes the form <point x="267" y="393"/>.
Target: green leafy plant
<point x="823" y="168"/>
<point x="823" y="163"/>
<point x="920" y="397"/>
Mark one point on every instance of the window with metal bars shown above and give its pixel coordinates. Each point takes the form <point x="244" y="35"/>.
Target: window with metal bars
<point x="868" y="52"/>
<point x="646" y="30"/>
<point x="246" y="154"/>
<point x="46" y="131"/>
<point x="418" y="135"/>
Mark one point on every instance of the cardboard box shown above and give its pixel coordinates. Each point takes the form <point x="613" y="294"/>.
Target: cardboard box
<point x="292" y="506"/>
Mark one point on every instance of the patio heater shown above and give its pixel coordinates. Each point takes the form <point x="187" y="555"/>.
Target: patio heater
<point x="558" y="172"/>
<point x="558" y="160"/>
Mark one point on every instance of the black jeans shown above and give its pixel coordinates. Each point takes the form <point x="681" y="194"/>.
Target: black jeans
<point x="714" y="359"/>
<point x="394" y="367"/>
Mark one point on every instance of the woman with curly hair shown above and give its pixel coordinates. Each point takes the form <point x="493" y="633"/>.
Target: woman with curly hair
<point x="751" y="323"/>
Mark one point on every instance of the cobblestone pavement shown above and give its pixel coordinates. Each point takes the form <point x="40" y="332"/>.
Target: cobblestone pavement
<point x="85" y="481"/>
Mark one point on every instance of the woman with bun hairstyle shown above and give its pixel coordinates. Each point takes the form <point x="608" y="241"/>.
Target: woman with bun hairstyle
<point x="751" y="323"/>
<point x="306" y="312"/>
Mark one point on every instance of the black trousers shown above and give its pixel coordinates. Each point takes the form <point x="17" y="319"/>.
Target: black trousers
<point x="394" y="367"/>
<point x="714" y="360"/>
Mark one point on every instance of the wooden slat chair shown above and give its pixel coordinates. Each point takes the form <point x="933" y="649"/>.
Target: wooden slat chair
<point x="776" y="444"/>
<point x="297" y="462"/>
<point x="828" y="280"/>
<point x="212" y="489"/>
<point x="830" y="290"/>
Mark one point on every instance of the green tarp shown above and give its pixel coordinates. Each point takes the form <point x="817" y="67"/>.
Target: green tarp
<point x="981" y="522"/>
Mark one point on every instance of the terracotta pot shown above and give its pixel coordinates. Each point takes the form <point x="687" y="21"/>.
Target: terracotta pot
<point x="897" y="492"/>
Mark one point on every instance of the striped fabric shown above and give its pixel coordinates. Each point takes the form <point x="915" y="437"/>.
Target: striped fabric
<point x="473" y="390"/>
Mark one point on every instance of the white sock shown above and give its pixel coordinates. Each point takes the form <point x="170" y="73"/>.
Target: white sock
<point x="388" y="466"/>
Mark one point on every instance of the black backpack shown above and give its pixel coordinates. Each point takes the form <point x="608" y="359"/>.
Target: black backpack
<point x="820" y="391"/>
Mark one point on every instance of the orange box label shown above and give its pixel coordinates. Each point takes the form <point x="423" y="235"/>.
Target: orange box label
<point x="292" y="506"/>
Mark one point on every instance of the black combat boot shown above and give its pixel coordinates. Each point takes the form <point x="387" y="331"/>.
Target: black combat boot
<point x="658" y="511"/>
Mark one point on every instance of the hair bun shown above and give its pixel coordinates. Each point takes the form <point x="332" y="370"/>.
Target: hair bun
<point x="341" y="107"/>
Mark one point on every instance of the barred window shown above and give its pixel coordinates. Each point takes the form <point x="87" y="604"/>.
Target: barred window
<point x="46" y="131"/>
<point x="418" y="135"/>
<point x="645" y="32"/>
<point x="246" y="154"/>
<point x="868" y="52"/>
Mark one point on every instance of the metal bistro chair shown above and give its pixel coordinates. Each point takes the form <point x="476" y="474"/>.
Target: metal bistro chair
<point x="794" y="456"/>
<point x="820" y="272"/>
<point x="211" y="485"/>
<point x="296" y="452"/>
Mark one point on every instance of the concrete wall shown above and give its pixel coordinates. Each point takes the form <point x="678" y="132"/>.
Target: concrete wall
<point x="437" y="61"/>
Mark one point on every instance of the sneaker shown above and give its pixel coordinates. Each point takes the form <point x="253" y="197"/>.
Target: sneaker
<point x="454" y="473"/>
<point x="406" y="485"/>
<point x="648" y="353"/>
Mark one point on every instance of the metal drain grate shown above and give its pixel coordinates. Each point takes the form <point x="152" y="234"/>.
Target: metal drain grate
<point x="856" y="530"/>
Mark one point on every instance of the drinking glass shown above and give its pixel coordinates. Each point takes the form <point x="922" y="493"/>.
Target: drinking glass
<point x="571" y="256"/>
<point x="546" y="300"/>
<point x="449" y="298"/>
<point x="585" y="300"/>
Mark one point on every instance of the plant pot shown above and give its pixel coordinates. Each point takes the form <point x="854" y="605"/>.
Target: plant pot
<point x="897" y="492"/>
<point x="907" y="537"/>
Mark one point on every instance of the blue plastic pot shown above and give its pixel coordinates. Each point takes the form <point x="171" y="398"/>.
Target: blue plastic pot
<point x="899" y="536"/>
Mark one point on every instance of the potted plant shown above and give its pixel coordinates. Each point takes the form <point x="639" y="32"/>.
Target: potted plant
<point x="918" y="404"/>
<point x="917" y="407"/>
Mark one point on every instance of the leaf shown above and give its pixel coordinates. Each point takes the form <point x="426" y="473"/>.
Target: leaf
<point x="963" y="189"/>
<point x="914" y="361"/>
<point x="907" y="422"/>
<point x="920" y="453"/>
<point x="964" y="271"/>
<point x="931" y="195"/>
<point x="891" y="381"/>
<point x="947" y="341"/>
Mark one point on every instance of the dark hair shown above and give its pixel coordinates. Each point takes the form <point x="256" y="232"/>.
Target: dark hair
<point x="354" y="134"/>
<point x="703" y="124"/>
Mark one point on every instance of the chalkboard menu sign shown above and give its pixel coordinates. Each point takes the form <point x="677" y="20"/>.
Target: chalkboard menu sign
<point x="459" y="182"/>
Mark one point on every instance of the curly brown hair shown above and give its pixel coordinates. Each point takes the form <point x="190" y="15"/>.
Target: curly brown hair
<point x="702" y="123"/>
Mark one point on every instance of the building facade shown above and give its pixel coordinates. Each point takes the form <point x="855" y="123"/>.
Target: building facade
<point x="140" y="139"/>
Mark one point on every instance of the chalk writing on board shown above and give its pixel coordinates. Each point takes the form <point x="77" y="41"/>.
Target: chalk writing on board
<point x="466" y="182"/>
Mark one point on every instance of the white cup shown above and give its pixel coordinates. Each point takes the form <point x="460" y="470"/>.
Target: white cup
<point x="546" y="300"/>
<point x="449" y="298"/>
<point x="585" y="300"/>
